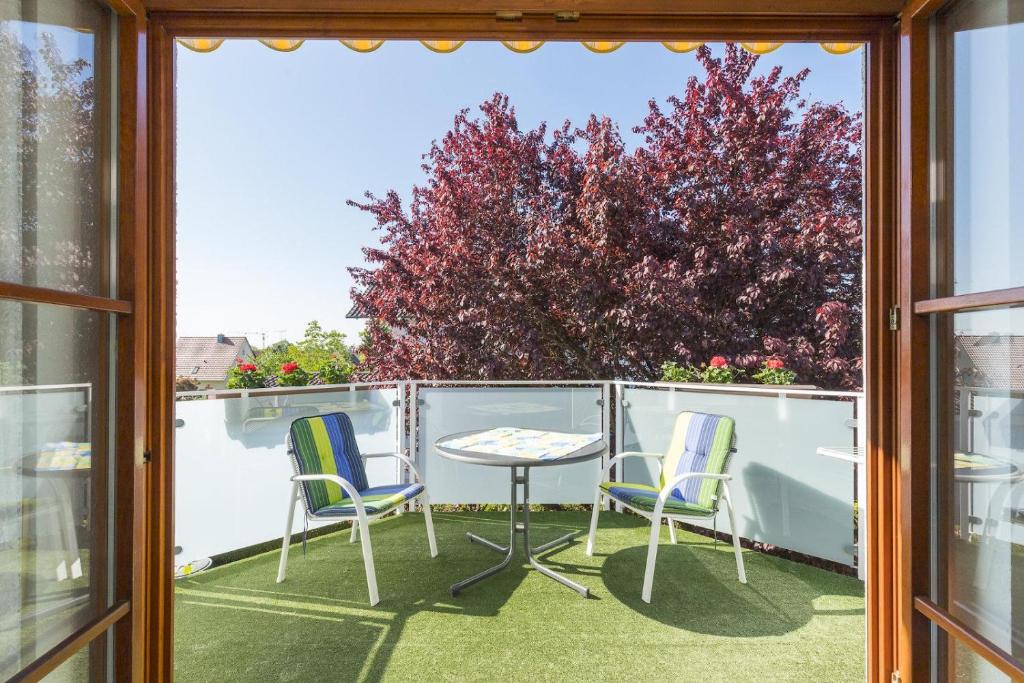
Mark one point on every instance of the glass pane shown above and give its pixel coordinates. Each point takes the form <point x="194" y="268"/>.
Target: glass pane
<point x="232" y="468"/>
<point x="970" y="668"/>
<point x="55" y="141"/>
<point x="979" y="464"/>
<point x="784" y="493"/>
<point x="54" y="476"/>
<point x="450" y="410"/>
<point x="983" y="93"/>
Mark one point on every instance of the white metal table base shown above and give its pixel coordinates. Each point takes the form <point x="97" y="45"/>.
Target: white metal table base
<point x="509" y="550"/>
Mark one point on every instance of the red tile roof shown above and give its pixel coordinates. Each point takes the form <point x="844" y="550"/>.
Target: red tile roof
<point x="995" y="361"/>
<point x="208" y="359"/>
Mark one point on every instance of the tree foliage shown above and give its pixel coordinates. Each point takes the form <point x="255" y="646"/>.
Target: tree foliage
<point x="733" y="229"/>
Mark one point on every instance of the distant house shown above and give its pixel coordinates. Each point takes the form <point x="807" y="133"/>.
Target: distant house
<point x="208" y="359"/>
<point x="991" y="361"/>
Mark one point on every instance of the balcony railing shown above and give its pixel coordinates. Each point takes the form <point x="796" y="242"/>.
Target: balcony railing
<point x="232" y="470"/>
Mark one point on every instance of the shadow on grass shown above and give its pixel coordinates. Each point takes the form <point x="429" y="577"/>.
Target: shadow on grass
<point x="696" y="589"/>
<point x="235" y="622"/>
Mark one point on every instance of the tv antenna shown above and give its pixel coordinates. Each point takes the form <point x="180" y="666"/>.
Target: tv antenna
<point x="263" y="335"/>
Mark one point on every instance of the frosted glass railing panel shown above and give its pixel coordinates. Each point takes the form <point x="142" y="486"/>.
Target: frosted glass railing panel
<point x="783" y="492"/>
<point x="446" y="411"/>
<point x="232" y="468"/>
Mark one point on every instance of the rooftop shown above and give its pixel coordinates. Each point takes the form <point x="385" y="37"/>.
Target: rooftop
<point x="208" y="359"/>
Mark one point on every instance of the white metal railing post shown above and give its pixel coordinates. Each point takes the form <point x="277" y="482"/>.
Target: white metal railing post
<point x="862" y="489"/>
<point x="413" y="440"/>
<point x="606" y="426"/>
<point x="620" y="435"/>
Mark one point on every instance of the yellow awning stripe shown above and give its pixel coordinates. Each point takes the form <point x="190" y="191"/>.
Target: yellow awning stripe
<point x="761" y="48"/>
<point x="282" y="44"/>
<point x="840" y="48"/>
<point x="603" y="46"/>
<point x="201" y="44"/>
<point x="443" y="45"/>
<point x="681" y="46"/>
<point x="520" y="46"/>
<point x="362" y="44"/>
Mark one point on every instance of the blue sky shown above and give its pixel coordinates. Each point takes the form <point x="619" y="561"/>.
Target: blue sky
<point x="272" y="144"/>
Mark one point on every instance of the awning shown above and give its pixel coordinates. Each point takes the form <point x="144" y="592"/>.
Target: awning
<point x="521" y="46"/>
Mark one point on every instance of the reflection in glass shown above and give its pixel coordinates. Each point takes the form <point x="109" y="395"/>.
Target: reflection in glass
<point x="983" y="67"/>
<point x="982" y="466"/>
<point x="54" y="144"/>
<point x="969" y="667"/>
<point x="54" y="368"/>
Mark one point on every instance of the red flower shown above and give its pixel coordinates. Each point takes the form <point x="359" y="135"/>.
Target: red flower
<point x="774" y="364"/>
<point x="289" y="367"/>
<point x="719" y="362"/>
<point x="247" y="367"/>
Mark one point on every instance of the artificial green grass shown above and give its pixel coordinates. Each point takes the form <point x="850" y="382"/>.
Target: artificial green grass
<point x="790" y="622"/>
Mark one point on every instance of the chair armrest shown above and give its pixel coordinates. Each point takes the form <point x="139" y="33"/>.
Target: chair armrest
<point x="628" y="454"/>
<point x="345" y="485"/>
<point x="404" y="458"/>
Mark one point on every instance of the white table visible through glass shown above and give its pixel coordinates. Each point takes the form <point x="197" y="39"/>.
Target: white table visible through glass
<point x="520" y="450"/>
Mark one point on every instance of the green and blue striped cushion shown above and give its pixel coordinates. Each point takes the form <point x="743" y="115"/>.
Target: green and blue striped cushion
<point x="643" y="497"/>
<point x="326" y="444"/>
<point x="700" y="443"/>
<point x="376" y="499"/>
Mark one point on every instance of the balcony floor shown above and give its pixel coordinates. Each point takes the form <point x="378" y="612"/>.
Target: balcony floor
<point x="791" y="622"/>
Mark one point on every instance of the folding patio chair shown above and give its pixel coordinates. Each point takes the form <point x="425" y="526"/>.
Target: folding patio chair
<point x="693" y="480"/>
<point x="330" y="481"/>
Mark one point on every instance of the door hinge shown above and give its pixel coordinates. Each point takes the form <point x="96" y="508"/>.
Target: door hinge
<point x="895" y="678"/>
<point x="147" y="456"/>
<point x="567" y="15"/>
<point x="894" y="318"/>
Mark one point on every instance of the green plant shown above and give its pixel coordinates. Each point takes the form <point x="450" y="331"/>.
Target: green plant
<point x="773" y="371"/>
<point x="673" y="372"/>
<point x="291" y="375"/>
<point x="718" y="371"/>
<point x="246" y="375"/>
<point x="336" y="370"/>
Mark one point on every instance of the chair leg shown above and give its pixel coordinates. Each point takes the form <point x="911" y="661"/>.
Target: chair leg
<point x="292" y="500"/>
<point x="592" y="537"/>
<point x="740" y="569"/>
<point x="371" y="572"/>
<point x="652" y="556"/>
<point x="671" y="531"/>
<point x="355" y="531"/>
<point x="430" y="524"/>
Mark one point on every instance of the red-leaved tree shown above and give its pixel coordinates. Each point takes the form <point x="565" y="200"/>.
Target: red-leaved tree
<point x="734" y="229"/>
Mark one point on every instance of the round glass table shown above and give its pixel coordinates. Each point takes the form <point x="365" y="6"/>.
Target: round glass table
<point x="520" y="450"/>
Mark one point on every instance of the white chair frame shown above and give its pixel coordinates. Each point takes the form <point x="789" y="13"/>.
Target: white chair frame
<point x="656" y="516"/>
<point x="360" y="523"/>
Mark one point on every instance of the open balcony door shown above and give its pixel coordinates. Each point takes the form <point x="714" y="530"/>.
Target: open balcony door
<point x="73" y="316"/>
<point x="961" y="366"/>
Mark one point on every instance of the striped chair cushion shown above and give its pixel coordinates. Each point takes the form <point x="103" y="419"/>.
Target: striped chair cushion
<point x="326" y="444"/>
<point x="643" y="497"/>
<point x="376" y="499"/>
<point x="700" y="443"/>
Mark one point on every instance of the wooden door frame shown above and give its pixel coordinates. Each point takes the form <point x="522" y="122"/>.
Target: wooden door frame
<point x="868" y="21"/>
<point x="922" y="301"/>
<point x="128" y="307"/>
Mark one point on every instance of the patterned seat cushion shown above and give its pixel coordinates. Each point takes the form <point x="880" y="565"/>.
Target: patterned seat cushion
<point x="326" y="444"/>
<point x="376" y="499"/>
<point x="643" y="497"/>
<point x="700" y="443"/>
